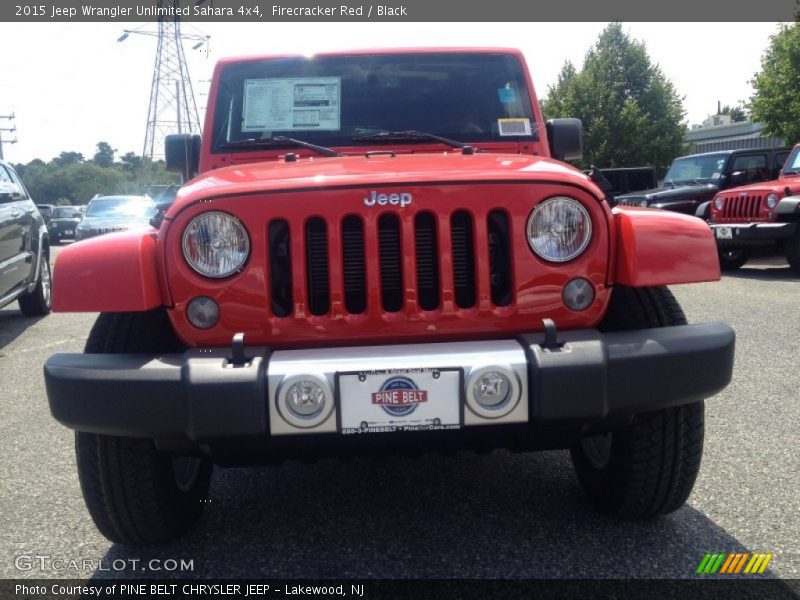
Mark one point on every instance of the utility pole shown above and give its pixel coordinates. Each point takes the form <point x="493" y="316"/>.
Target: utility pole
<point x="172" y="107"/>
<point x="12" y="129"/>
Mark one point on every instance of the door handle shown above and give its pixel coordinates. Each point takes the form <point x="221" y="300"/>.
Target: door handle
<point x="15" y="213"/>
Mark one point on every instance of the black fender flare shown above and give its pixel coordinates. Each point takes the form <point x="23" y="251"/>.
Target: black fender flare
<point x="703" y="210"/>
<point x="788" y="209"/>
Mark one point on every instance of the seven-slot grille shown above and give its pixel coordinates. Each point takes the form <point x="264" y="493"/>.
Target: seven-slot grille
<point x="387" y="235"/>
<point x="741" y="207"/>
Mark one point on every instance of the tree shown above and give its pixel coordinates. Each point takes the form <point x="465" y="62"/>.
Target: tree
<point x="68" y="158"/>
<point x="631" y="113"/>
<point x="737" y="113"/>
<point x="105" y="154"/>
<point x="776" y="102"/>
<point x="131" y="162"/>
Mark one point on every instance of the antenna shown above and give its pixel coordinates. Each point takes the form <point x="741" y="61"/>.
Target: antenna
<point x="172" y="108"/>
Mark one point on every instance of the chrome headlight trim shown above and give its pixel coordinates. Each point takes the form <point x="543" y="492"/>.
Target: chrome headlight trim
<point x="233" y="267"/>
<point x="551" y="204"/>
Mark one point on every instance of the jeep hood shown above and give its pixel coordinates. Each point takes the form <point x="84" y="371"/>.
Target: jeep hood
<point x="777" y="186"/>
<point x="362" y="171"/>
<point x="670" y="194"/>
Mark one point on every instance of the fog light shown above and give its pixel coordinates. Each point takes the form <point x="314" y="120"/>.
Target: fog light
<point x="578" y="294"/>
<point x="202" y="312"/>
<point x="304" y="400"/>
<point x="493" y="391"/>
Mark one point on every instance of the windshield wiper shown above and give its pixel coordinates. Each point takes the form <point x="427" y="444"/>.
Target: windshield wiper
<point x="281" y="141"/>
<point x="410" y="135"/>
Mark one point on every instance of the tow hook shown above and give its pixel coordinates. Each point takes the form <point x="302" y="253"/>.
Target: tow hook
<point x="551" y="336"/>
<point x="238" y="359"/>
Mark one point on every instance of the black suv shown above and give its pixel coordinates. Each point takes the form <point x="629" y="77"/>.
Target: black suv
<point x="24" y="248"/>
<point x="694" y="180"/>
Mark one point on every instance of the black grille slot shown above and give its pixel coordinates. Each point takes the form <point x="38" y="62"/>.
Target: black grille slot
<point x="391" y="263"/>
<point x="353" y="267"/>
<point x="463" y="259"/>
<point x="317" y="267"/>
<point x="499" y="258"/>
<point x="280" y="268"/>
<point x="427" y="261"/>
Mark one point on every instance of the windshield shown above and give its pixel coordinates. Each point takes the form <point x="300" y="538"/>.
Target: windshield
<point x="131" y="208"/>
<point x="330" y="100"/>
<point x="792" y="165"/>
<point x="699" y="168"/>
<point x="66" y="212"/>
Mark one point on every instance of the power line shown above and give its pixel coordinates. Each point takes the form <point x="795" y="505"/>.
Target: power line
<point x="172" y="107"/>
<point x="13" y="129"/>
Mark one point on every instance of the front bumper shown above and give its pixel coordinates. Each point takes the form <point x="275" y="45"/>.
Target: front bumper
<point x="744" y="234"/>
<point x="591" y="379"/>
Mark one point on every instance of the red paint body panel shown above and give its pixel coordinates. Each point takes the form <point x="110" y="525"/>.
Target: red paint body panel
<point x="244" y="298"/>
<point x="663" y="248"/>
<point x="111" y="273"/>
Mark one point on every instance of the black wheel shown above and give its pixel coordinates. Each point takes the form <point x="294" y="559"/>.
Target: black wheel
<point x="731" y="259"/>
<point x="793" y="252"/>
<point x="135" y="494"/>
<point x="38" y="303"/>
<point x="54" y="239"/>
<point x="649" y="467"/>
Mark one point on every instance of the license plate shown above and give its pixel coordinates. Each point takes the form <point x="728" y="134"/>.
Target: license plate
<point x="399" y="400"/>
<point x="724" y="233"/>
<point x="68" y="232"/>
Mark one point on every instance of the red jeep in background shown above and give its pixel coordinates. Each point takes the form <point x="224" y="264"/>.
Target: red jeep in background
<point x="382" y="252"/>
<point x="760" y="215"/>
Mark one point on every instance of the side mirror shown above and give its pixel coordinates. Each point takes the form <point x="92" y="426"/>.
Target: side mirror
<point x="9" y="192"/>
<point x="182" y="154"/>
<point x="566" y="138"/>
<point x="737" y="178"/>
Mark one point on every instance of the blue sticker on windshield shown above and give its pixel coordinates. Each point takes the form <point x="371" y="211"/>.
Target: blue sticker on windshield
<point x="507" y="95"/>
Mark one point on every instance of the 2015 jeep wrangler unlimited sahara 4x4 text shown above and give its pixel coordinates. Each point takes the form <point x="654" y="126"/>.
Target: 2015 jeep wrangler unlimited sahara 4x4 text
<point x="382" y="252"/>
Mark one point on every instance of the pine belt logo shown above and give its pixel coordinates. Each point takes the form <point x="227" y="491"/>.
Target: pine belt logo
<point x="734" y="563"/>
<point x="399" y="396"/>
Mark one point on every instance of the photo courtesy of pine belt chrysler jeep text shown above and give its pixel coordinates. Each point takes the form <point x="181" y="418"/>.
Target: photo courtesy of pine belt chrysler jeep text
<point x="382" y="251"/>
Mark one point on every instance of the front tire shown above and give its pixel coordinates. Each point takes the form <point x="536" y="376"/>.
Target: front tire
<point x="649" y="467"/>
<point x="38" y="302"/>
<point x="793" y="252"/>
<point x="135" y="494"/>
<point x="732" y="259"/>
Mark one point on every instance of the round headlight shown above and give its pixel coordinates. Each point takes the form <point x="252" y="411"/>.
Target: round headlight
<point x="215" y="244"/>
<point x="718" y="203"/>
<point x="559" y="229"/>
<point x="772" y="200"/>
<point x="643" y="203"/>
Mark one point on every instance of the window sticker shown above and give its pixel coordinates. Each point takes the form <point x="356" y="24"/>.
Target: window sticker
<point x="292" y="103"/>
<point x="507" y="95"/>
<point x="508" y="127"/>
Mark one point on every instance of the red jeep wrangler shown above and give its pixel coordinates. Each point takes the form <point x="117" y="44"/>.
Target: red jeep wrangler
<point x="758" y="215"/>
<point x="382" y="252"/>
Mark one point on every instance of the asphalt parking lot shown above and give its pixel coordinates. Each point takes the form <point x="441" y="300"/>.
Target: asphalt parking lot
<point x="500" y="515"/>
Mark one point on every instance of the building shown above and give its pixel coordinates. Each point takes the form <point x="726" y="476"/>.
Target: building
<point x="719" y="133"/>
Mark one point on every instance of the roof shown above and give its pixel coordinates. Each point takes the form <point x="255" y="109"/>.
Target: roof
<point x="373" y="51"/>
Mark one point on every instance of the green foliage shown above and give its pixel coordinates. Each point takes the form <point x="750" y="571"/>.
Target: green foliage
<point x="632" y="116"/>
<point x="737" y="113"/>
<point x="776" y="102"/>
<point x="69" y="179"/>
<point x="104" y="156"/>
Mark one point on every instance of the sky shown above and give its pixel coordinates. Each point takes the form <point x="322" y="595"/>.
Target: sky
<point x="72" y="85"/>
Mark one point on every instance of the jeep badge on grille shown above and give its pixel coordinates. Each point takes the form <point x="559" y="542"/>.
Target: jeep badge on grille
<point x="402" y="199"/>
